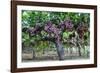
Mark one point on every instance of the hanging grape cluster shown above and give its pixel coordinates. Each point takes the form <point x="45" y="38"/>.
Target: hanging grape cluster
<point x="81" y="29"/>
<point x="51" y="28"/>
<point x="34" y="31"/>
<point x="66" y="25"/>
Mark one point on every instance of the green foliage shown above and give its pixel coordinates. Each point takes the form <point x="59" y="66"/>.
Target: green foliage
<point x="30" y="18"/>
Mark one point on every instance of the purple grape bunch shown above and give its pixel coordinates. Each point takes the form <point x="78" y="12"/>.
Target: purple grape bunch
<point x="81" y="29"/>
<point x="48" y="27"/>
<point x="34" y="30"/>
<point x="51" y="28"/>
<point x="66" y="25"/>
